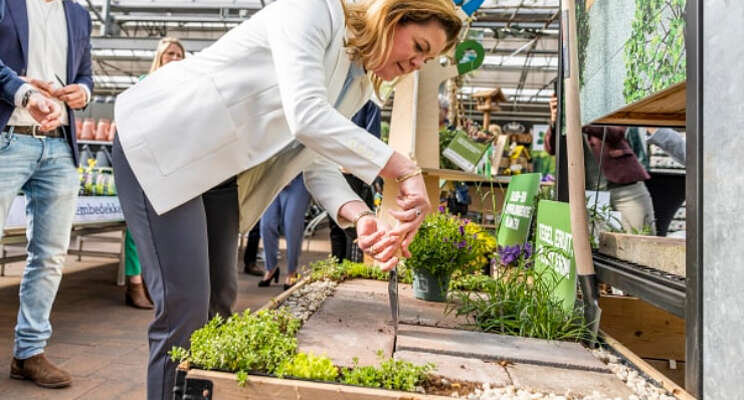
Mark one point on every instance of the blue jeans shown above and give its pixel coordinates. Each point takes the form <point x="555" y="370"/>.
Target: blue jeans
<point x="287" y="209"/>
<point x="44" y="171"/>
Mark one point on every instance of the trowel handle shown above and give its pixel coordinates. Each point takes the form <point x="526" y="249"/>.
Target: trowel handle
<point x="574" y="142"/>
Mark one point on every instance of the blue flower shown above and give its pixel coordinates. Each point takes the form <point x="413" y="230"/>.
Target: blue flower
<point x="462" y="244"/>
<point x="441" y="209"/>
<point x="462" y="230"/>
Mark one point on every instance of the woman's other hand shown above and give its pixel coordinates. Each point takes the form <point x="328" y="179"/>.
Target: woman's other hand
<point x="374" y="240"/>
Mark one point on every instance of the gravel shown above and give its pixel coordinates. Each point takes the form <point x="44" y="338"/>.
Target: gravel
<point x="306" y="300"/>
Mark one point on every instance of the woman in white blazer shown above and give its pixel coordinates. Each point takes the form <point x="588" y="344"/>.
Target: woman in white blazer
<point x="270" y="99"/>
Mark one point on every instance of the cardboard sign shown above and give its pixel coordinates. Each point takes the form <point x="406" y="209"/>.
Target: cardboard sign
<point x="465" y="152"/>
<point x="554" y="249"/>
<point x="519" y="206"/>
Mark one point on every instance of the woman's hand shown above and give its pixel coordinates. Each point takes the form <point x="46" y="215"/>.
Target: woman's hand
<point x="374" y="240"/>
<point x="413" y="201"/>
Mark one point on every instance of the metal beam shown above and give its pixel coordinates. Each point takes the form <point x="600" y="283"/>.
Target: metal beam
<point x="191" y="45"/>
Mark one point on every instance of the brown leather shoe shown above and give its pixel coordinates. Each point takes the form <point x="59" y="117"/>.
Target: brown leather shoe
<point x="39" y="370"/>
<point x="253" y="269"/>
<point x="136" y="296"/>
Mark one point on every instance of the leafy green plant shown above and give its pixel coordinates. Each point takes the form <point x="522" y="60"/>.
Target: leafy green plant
<point x="245" y="342"/>
<point x="391" y="374"/>
<point x="331" y="269"/>
<point x="470" y="282"/>
<point x="308" y="366"/>
<point x="443" y="246"/>
<point x="519" y="301"/>
<point x="655" y="52"/>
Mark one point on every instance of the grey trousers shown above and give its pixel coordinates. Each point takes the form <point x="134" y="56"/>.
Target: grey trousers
<point x="188" y="258"/>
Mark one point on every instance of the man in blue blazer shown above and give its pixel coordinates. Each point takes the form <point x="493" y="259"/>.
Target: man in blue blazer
<point x="45" y="73"/>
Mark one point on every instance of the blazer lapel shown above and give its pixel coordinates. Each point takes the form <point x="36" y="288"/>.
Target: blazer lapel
<point x="19" y="13"/>
<point x="70" y="44"/>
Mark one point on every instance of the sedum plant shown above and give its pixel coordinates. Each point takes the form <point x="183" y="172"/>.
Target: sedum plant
<point x="331" y="269"/>
<point x="391" y="374"/>
<point x="308" y="366"/>
<point x="245" y="342"/>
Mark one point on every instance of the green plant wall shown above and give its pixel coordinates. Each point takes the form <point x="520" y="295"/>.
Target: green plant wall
<point x="628" y="49"/>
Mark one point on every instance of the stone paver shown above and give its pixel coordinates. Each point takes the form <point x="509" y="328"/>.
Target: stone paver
<point x="460" y="368"/>
<point x="488" y="346"/>
<point x="562" y="381"/>
<point x="412" y="310"/>
<point x="349" y="324"/>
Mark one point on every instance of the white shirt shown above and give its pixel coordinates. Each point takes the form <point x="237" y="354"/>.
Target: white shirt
<point x="47" y="53"/>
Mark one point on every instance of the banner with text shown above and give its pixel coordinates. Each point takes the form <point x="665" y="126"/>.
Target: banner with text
<point x="89" y="209"/>
<point x="554" y="255"/>
<point x="519" y="206"/>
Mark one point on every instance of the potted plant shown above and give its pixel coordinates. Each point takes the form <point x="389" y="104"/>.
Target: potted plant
<point x="442" y="246"/>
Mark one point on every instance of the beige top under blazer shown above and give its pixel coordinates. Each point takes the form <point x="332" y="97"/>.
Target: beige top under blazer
<point x="268" y="82"/>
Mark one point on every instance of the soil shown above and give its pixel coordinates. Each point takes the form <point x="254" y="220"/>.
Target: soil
<point x="438" y="385"/>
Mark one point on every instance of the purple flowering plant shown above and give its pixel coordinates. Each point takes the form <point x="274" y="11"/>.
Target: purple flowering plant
<point x="516" y="255"/>
<point x="443" y="245"/>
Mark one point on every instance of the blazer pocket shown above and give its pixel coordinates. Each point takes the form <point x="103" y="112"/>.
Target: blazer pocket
<point x="191" y="123"/>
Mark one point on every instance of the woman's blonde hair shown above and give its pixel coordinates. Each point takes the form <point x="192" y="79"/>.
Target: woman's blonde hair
<point x="157" y="62"/>
<point x="370" y="26"/>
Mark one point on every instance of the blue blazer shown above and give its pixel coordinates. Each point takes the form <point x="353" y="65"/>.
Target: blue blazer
<point x="14" y="55"/>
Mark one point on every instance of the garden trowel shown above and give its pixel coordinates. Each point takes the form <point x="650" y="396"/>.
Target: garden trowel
<point x="393" y="297"/>
<point x="576" y="183"/>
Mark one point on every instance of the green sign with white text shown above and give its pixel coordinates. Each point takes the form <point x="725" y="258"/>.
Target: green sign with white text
<point x="554" y="253"/>
<point x="519" y="206"/>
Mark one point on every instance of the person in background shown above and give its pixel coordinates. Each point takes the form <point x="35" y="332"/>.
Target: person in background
<point x="169" y="49"/>
<point x="624" y="174"/>
<point x="342" y="240"/>
<point x="670" y="141"/>
<point x="251" y="252"/>
<point x="288" y="211"/>
<point x="38" y="157"/>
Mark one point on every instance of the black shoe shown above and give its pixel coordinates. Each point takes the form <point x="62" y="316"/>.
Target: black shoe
<point x="288" y="285"/>
<point x="253" y="269"/>
<point x="266" y="282"/>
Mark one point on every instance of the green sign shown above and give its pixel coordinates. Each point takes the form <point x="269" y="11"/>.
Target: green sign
<point x="554" y="253"/>
<point x="519" y="205"/>
<point x="465" y="152"/>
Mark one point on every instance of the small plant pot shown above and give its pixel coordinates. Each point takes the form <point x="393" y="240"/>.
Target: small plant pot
<point x="429" y="287"/>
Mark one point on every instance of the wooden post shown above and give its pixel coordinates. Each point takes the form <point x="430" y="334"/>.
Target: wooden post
<point x="414" y="126"/>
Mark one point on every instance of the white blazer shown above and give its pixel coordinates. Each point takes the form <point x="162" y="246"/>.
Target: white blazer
<point x="269" y="81"/>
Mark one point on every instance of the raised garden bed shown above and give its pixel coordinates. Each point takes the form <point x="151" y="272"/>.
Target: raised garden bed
<point x="355" y="322"/>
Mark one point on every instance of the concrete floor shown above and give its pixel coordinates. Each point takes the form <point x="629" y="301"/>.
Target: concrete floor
<point x="99" y="340"/>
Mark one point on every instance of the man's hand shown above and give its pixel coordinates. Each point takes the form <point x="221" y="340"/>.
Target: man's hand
<point x="73" y="95"/>
<point x="46" y="112"/>
<point x="373" y="239"/>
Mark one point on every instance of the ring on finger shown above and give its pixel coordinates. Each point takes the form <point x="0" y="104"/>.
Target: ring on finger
<point x="418" y="211"/>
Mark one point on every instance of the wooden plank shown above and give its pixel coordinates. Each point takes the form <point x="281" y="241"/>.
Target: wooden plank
<point x="677" y="375"/>
<point x="639" y="363"/>
<point x="662" y="253"/>
<point x="225" y="387"/>
<point x="648" y="331"/>
<point x="665" y="108"/>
